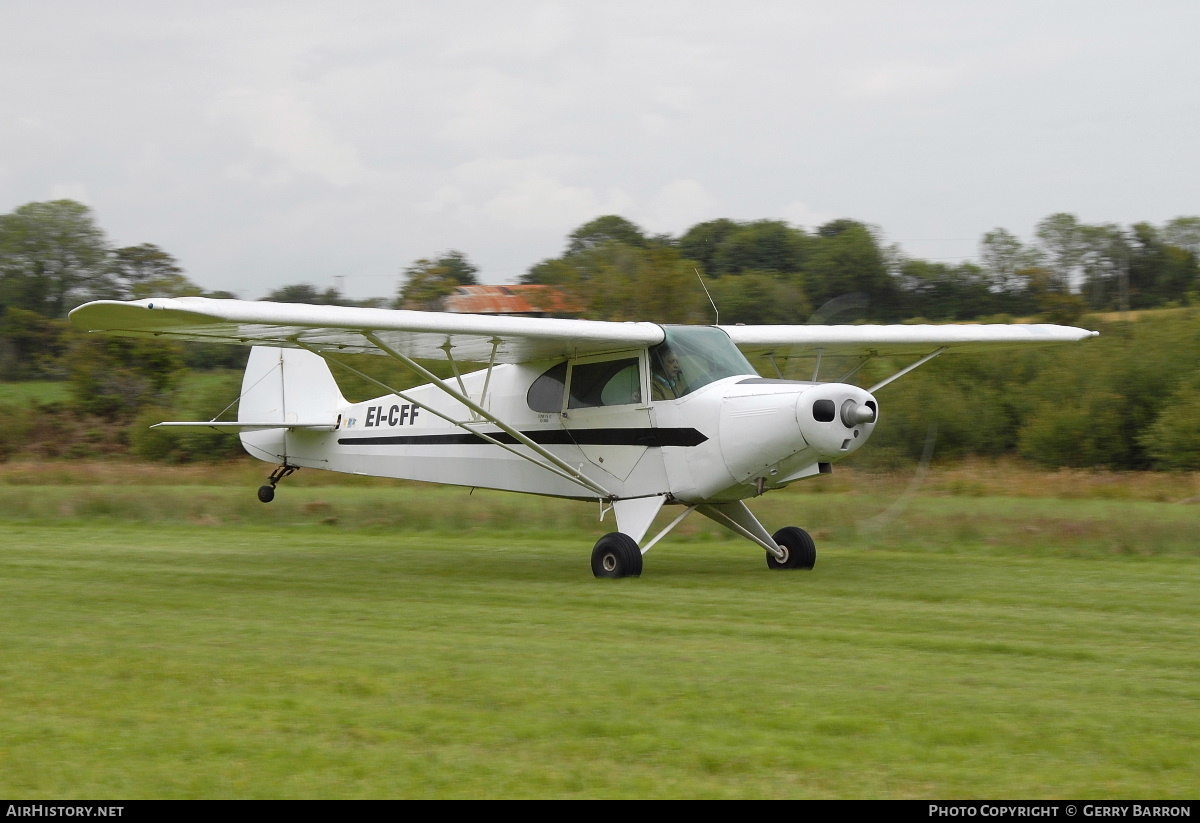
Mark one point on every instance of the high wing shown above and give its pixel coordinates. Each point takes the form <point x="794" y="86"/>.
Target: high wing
<point x="866" y="341"/>
<point x="481" y="339"/>
<point x="415" y="334"/>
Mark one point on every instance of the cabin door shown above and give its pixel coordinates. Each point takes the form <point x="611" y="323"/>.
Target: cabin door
<point x="607" y="413"/>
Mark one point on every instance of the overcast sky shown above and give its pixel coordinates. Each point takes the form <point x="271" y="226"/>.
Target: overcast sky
<point x="272" y="143"/>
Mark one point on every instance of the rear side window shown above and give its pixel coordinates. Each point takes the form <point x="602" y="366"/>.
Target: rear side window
<point x="611" y="383"/>
<point x="546" y="393"/>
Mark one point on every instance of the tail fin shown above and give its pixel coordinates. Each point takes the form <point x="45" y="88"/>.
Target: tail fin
<point x="288" y="386"/>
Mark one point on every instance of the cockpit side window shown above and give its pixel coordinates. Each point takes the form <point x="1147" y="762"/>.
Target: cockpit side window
<point x="608" y="383"/>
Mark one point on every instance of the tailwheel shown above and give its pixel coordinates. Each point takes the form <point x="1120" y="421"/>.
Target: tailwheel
<point x="267" y="493"/>
<point x="799" y="550"/>
<point x="616" y="555"/>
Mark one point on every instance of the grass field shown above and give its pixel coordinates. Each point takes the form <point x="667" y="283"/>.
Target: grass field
<point x="985" y="636"/>
<point x="41" y="391"/>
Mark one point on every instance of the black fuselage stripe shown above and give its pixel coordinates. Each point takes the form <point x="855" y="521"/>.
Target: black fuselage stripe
<point x="544" y="437"/>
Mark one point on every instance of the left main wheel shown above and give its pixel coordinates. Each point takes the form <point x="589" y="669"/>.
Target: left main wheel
<point x="800" y="551"/>
<point x="616" y="555"/>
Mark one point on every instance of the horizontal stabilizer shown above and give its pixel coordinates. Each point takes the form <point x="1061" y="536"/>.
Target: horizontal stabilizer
<point x="231" y="426"/>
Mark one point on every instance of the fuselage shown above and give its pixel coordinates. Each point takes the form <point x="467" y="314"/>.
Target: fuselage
<point x="729" y="436"/>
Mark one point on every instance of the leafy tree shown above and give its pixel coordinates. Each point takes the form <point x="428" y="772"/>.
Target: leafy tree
<point x="52" y="257"/>
<point x="942" y="292"/>
<point x="113" y="377"/>
<point x="1052" y="303"/>
<point x="703" y="241"/>
<point x="607" y="229"/>
<point x="1159" y="272"/>
<point x="1088" y="404"/>
<point x="305" y="293"/>
<point x="662" y="286"/>
<point x="1180" y="275"/>
<point x="458" y="267"/>
<point x="30" y="344"/>
<point x="1173" y="440"/>
<point x="617" y="281"/>
<point x="137" y="272"/>
<point x="756" y="297"/>
<point x="1003" y="256"/>
<point x="1081" y="430"/>
<point x="1104" y="253"/>
<point x="556" y="271"/>
<point x="764" y="245"/>
<point x="1062" y="245"/>
<point x="847" y="258"/>
<point x="428" y="281"/>
<point x="199" y="401"/>
<point x="1184" y="233"/>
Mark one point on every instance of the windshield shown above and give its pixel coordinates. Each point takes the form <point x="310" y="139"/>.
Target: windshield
<point x="691" y="357"/>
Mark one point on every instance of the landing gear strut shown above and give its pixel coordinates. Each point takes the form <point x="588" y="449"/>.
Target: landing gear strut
<point x="267" y="493"/>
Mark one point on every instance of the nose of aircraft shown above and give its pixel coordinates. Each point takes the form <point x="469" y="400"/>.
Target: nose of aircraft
<point x="835" y="418"/>
<point x="776" y="430"/>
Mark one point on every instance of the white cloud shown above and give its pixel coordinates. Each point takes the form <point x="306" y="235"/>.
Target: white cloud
<point x="280" y="123"/>
<point x="70" y="191"/>
<point x="678" y="205"/>
<point x="523" y="193"/>
<point x="509" y="34"/>
<point x="801" y="214"/>
<point x="904" y="80"/>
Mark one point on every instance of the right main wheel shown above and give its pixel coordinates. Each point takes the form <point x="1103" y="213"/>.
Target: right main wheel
<point x="799" y="546"/>
<point x="616" y="555"/>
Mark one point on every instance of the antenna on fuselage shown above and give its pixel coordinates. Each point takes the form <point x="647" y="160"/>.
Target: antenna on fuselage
<point x="716" y="314"/>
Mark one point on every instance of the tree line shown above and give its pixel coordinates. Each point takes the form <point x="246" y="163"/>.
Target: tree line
<point x="767" y="271"/>
<point x="1129" y="400"/>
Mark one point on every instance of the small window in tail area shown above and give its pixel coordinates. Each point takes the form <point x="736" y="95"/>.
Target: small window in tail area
<point x="610" y="383"/>
<point x="546" y="393"/>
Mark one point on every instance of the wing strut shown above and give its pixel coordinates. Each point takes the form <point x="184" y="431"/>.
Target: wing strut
<point x="854" y="370"/>
<point x="487" y="379"/>
<point x="573" y="475"/>
<point x="906" y="370"/>
<point x="778" y="371"/>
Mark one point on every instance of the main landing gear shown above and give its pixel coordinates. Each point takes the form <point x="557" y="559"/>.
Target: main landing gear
<point x="267" y="493"/>
<point x="616" y="555"/>
<point x="799" y="550"/>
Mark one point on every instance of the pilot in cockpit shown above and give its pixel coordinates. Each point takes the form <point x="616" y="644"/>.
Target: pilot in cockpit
<point x="666" y="382"/>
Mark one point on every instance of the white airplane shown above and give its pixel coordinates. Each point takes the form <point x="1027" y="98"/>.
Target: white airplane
<point x="633" y="415"/>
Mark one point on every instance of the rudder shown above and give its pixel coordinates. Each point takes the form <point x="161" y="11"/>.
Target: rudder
<point x="288" y="386"/>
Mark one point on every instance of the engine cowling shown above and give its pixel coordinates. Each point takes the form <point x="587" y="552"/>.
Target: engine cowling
<point x="777" y="432"/>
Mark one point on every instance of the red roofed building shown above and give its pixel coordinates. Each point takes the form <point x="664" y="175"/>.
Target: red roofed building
<point x="529" y="301"/>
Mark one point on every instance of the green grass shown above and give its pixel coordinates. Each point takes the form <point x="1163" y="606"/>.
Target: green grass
<point x="168" y="641"/>
<point x="40" y="391"/>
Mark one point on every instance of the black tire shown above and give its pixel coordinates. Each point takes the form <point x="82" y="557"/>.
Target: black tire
<point x="801" y="551"/>
<point x="266" y="494"/>
<point x="616" y="555"/>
